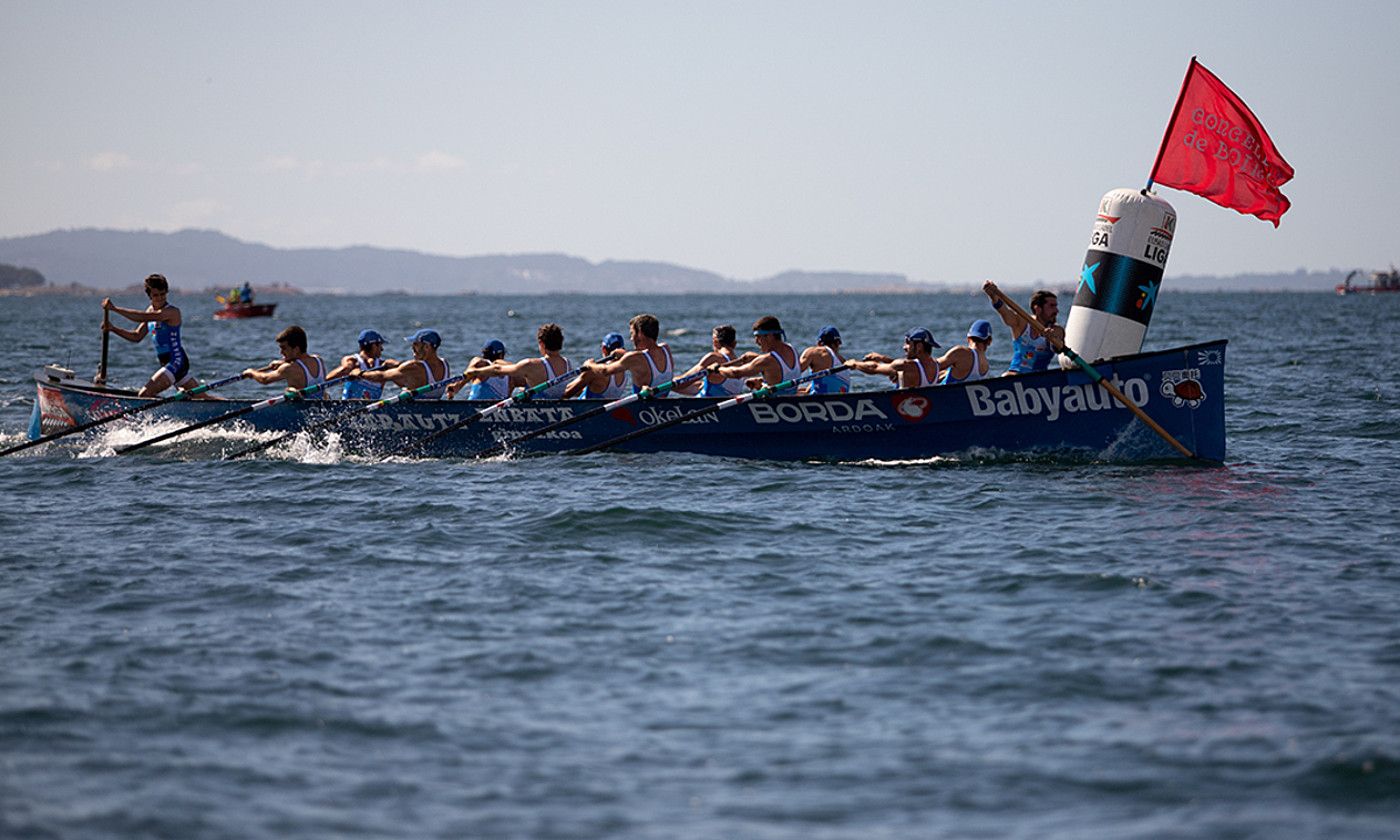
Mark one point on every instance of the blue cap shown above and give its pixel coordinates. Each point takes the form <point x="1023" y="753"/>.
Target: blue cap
<point x="612" y="341"/>
<point x="426" y="336"/>
<point x="370" y="337"/>
<point x="829" y="332"/>
<point x="981" y="328"/>
<point x="493" y="349"/>
<point x="921" y="334"/>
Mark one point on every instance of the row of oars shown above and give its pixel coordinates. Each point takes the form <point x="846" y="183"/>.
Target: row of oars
<point x="523" y="396"/>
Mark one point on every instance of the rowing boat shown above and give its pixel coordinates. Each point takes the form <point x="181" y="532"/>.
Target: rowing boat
<point x="1053" y="413"/>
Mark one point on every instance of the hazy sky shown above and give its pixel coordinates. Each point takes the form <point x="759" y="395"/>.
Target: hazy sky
<point x="945" y="141"/>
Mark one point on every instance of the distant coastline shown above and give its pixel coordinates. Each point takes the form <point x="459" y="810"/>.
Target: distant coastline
<point x="95" y="262"/>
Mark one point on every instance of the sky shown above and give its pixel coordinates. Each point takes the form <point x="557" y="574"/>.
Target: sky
<point x="949" y="142"/>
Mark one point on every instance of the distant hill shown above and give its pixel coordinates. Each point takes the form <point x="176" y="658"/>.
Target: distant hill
<point x="201" y="259"/>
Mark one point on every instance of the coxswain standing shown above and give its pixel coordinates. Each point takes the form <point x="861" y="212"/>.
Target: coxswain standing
<point x="1030" y="352"/>
<point x="776" y="361"/>
<point x="370" y="357"/>
<point x="297" y="368"/>
<point x="162" y="320"/>
<point x="425" y="368"/>
<point x="917" y="369"/>
<point x="650" y="364"/>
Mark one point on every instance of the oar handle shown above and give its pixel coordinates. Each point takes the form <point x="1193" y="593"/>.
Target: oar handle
<point x="1095" y="375"/>
<point x="101" y="376"/>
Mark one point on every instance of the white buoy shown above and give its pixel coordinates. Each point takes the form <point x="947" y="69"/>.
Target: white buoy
<point x="1120" y="277"/>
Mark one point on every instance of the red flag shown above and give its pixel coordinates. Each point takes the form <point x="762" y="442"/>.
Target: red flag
<point x="1216" y="148"/>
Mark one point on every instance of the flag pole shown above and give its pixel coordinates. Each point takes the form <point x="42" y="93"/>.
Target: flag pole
<point x="1162" y="150"/>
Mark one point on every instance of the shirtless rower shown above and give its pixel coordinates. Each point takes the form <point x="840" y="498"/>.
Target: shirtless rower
<point x="918" y="367"/>
<point x="162" y="320"/>
<point x="298" y="368"/>
<point x="968" y="362"/>
<point x="650" y="364"/>
<point x="425" y="368"/>
<point x="776" y="360"/>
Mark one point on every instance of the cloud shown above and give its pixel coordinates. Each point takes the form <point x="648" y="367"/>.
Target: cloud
<point x="109" y="161"/>
<point x="439" y="161"/>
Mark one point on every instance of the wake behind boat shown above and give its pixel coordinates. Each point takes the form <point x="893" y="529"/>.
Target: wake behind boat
<point x="1054" y="413"/>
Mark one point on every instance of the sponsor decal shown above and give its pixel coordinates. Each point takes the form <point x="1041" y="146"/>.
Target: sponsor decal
<point x="1206" y="358"/>
<point x="1183" y="387"/>
<point x="1149" y="294"/>
<point x="625" y="415"/>
<point x="911" y="408"/>
<point x="1054" y="402"/>
<point x="814" y="412"/>
<point x="54" y="414"/>
<point x="654" y="416"/>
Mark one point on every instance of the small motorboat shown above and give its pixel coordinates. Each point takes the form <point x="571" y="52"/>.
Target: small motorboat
<point x="244" y="310"/>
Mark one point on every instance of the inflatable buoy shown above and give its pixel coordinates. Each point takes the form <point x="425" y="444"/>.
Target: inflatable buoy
<point x="1120" y="277"/>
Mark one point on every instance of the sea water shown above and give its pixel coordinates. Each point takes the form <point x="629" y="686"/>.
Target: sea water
<point x="622" y="646"/>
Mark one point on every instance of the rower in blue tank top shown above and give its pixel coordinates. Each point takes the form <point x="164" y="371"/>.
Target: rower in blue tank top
<point x="550" y="368"/>
<point x="490" y="387"/>
<point x="162" y="321"/>
<point x="825" y="355"/>
<point x="370" y="357"/>
<point x="426" y="368"/>
<point x="1030" y="352"/>
<point x="723" y="339"/>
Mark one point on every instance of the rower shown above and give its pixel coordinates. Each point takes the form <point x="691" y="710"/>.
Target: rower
<point x="1030" y="351"/>
<point x="650" y="363"/>
<point x="550" y="364"/>
<point x="722" y="343"/>
<point x="297" y="368"/>
<point x="425" y="368"/>
<point x="917" y="369"/>
<point x="968" y="362"/>
<point x="591" y="385"/>
<point x="487" y="387"/>
<point x="777" y="361"/>
<point x="162" y="320"/>
<point x="370" y="357"/>
<point x="825" y="356"/>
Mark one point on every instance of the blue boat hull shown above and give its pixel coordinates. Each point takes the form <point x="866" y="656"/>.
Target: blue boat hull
<point x="1054" y="413"/>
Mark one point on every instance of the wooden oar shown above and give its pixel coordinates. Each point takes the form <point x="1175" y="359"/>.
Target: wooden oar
<point x="758" y="394"/>
<point x="1097" y="377"/>
<point x="402" y="396"/>
<point x="101" y="377"/>
<point x="92" y="424"/>
<point x="643" y="394"/>
<point x="238" y="412"/>
<point x="519" y="396"/>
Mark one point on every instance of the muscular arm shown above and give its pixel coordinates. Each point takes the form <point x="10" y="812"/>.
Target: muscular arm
<point x="347" y="364"/>
<point x="756" y="366"/>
